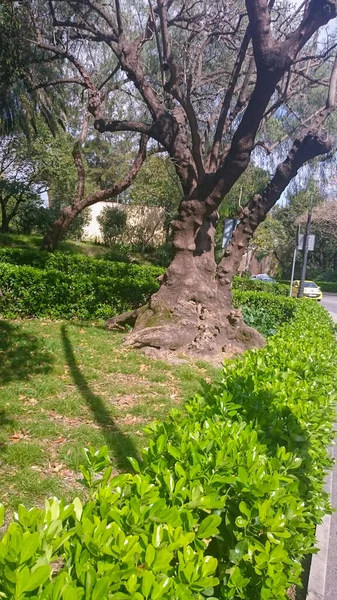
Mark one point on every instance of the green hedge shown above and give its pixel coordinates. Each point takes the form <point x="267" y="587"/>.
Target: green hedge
<point x="61" y="285"/>
<point x="225" y="503"/>
<point x="256" y="285"/>
<point x="264" y="311"/>
<point x="328" y="286"/>
<point x="30" y="292"/>
<point x="73" y="264"/>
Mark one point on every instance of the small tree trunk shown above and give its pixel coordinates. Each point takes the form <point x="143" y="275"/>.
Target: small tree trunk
<point x="192" y="311"/>
<point x="4" y="219"/>
<point x="58" y="228"/>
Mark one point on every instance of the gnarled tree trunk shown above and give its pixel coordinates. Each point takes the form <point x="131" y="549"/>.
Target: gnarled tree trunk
<point x="192" y="311"/>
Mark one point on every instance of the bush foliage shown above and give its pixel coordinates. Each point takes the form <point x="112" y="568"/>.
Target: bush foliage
<point x="264" y="311"/>
<point x="30" y="292"/>
<point x="68" y="286"/>
<point x="245" y="284"/>
<point x="224" y="504"/>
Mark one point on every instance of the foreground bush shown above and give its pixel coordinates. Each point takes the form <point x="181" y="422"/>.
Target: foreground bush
<point x="225" y="503"/>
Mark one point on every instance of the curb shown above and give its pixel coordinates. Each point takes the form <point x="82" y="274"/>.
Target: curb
<point x="319" y="561"/>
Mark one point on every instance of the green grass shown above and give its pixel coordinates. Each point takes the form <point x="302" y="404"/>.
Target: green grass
<point x="64" y="386"/>
<point x="33" y="242"/>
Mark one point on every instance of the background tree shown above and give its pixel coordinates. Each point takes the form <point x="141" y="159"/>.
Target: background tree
<point x="157" y="185"/>
<point x="206" y="83"/>
<point x="112" y="223"/>
<point x="19" y="183"/>
<point x="322" y="263"/>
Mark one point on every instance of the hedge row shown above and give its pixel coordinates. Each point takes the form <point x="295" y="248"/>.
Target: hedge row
<point x="104" y="267"/>
<point x="326" y="286"/>
<point x="30" y="292"/>
<point x="264" y="311"/>
<point x="66" y="286"/>
<point x="224" y="504"/>
<point x="75" y="264"/>
<point x="256" y="285"/>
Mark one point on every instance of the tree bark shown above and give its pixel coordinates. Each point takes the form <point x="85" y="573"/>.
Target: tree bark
<point x="4" y="219"/>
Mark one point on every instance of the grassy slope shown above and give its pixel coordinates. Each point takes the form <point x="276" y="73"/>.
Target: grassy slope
<point x="63" y="386"/>
<point x="34" y="241"/>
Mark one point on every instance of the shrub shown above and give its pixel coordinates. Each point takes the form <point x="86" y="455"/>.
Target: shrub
<point x="328" y="286"/>
<point x="264" y="311"/>
<point x="225" y="503"/>
<point x="74" y="264"/>
<point x="30" y="292"/>
<point x="245" y="284"/>
<point x="112" y="223"/>
<point x="118" y="253"/>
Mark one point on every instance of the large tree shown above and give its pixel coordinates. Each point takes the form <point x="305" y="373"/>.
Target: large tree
<point x="210" y="82"/>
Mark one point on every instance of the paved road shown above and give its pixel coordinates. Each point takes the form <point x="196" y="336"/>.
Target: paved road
<point x="330" y="593"/>
<point x="330" y="303"/>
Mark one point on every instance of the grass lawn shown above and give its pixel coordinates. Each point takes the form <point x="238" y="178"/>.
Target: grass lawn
<point x="64" y="386"/>
<point x="33" y="242"/>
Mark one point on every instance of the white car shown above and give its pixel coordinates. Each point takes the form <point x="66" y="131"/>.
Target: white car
<point x="263" y="277"/>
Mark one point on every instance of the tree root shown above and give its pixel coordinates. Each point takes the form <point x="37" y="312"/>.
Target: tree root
<point x="128" y="318"/>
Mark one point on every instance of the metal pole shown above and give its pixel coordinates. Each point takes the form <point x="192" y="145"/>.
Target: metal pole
<point x="292" y="272"/>
<point x="305" y="253"/>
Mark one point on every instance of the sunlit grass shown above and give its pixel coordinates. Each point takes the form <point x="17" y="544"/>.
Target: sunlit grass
<point x="64" y="386"/>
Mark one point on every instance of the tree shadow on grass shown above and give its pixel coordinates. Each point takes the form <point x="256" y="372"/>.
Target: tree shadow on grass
<point x="118" y="442"/>
<point x="21" y="354"/>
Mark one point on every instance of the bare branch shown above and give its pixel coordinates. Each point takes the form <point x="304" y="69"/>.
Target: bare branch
<point x="227" y="100"/>
<point x="45" y="84"/>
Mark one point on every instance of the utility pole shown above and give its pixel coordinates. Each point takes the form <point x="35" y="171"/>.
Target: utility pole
<point x="294" y="260"/>
<point x="305" y="252"/>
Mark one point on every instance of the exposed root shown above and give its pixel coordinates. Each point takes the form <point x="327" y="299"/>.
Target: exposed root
<point x="195" y="331"/>
<point x="127" y="318"/>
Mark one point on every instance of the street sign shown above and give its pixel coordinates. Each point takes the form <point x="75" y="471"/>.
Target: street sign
<point x="311" y="242"/>
<point x="229" y="227"/>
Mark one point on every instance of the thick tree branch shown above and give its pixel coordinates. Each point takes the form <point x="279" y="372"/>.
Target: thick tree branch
<point x="304" y="149"/>
<point x="66" y="81"/>
<point x="68" y="213"/>
<point x="213" y="161"/>
<point x="103" y="125"/>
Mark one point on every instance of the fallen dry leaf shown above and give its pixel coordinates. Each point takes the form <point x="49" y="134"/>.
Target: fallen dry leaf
<point x="17" y="436"/>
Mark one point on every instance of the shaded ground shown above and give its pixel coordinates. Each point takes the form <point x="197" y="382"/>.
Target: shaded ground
<point x="63" y="387"/>
<point x="33" y="242"/>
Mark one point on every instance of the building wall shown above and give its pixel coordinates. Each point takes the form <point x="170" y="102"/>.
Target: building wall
<point x="250" y="263"/>
<point x="146" y="219"/>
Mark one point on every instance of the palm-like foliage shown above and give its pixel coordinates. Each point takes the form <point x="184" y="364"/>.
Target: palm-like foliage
<point x="21" y="66"/>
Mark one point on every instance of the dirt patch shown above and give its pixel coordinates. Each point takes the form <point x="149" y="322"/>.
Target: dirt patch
<point x="126" y="401"/>
<point x="131" y="420"/>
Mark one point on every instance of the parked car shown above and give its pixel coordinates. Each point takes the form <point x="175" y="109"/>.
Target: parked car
<point x="263" y="277"/>
<point x="311" y="290"/>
